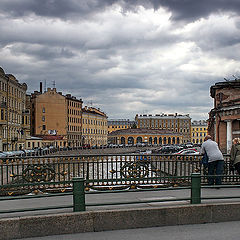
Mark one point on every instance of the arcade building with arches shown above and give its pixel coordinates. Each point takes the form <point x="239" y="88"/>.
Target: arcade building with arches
<point x="142" y="135"/>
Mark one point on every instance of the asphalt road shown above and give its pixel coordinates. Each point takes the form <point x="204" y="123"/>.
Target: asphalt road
<point x="210" y="231"/>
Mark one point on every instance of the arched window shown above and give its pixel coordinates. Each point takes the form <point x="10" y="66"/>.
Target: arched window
<point x="173" y="140"/>
<point x="130" y="141"/>
<point x="164" y="140"/>
<point x="178" y="140"/>
<point x="150" y="140"/>
<point x="155" y="140"/>
<point x="169" y="140"/>
<point x="160" y="140"/>
<point x="139" y="139"/>
<point x="123" y="140"/>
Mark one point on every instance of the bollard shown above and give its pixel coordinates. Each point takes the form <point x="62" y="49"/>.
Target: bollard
<point x="78" y="194"/>
<point x="196" y="188"/>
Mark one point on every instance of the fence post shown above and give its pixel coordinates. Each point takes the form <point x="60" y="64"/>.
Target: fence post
<point x="78" y="194"/>
<point x="196" y="188"/>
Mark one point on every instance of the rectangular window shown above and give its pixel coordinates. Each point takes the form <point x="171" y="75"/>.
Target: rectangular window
<point x="43" y="118"/>
<point x="43" y="110"/>
<point x="43" y="127"/>
<point x="2" y="114"/>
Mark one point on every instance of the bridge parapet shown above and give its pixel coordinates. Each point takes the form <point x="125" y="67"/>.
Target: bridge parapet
<point x="101" y="171"/>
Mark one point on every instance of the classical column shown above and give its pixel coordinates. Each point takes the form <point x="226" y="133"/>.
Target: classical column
<point x="229" y="135"/>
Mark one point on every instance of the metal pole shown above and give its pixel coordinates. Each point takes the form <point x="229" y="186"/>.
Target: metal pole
<point x="196" y="188"/>
<point x="78" y="194"/>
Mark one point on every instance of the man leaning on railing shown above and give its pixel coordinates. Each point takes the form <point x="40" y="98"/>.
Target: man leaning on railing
<point x="215" y="160"/>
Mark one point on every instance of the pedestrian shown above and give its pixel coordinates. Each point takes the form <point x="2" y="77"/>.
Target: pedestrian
<point x="235" y="156"/>
<point x="215" y="160"/>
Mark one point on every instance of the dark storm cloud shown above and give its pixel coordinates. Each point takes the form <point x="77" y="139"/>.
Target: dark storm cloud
<point x="41" y="52"/>
<point x="124" y="59"/>
<point x="51" y="8"/>
<point x="181" y="9"/>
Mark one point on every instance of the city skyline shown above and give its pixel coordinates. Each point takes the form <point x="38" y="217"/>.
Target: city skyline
<point x="125" y="57"/>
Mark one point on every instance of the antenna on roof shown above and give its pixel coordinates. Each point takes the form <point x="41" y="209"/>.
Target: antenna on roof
<point x="54" y="84"/>
<point x="226" y="79"/>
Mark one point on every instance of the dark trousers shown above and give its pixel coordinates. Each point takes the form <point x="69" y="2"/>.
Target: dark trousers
<point x="237" y="167"/>
<point x="215" y="168"/>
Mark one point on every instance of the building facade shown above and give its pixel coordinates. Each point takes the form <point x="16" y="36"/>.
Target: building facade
<point x="74" y="119"/>
<point x="118" y="124"/>
<point x="49" y="116"/>
<point x="176" y="123"/>
<point x="224" y="118"/>
<point x="199" y="131"/>
<point x="94" y="126"/>
<point x="147" y="136"/>
<point x="15" y="118"/>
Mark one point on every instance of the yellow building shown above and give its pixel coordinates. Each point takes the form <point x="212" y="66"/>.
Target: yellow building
<point x="15" y="118"/>
<point x="49" y="117"/>
<point x="172" y="122"/>
<point x="118" y="124"/>
<point x="94" y="126"/>
<point x="34" y="142"/>
<point x="147" y="136"/>
<point x="199" y="131"/>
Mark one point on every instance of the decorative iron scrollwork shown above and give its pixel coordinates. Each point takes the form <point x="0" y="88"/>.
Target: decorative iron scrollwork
<point x="137" y="169"/>
<point x="38" y="173"/>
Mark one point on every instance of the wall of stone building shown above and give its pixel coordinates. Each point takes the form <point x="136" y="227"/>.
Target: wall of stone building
<point x="222" y="141"/>
<point x="229" y="94"/>
<point x="55" y="113"/>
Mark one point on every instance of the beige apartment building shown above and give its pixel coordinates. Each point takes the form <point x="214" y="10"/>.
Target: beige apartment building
<point x="74" y="117"/>
<point x="176" y="123"/>
<point x="15" y="118"/>
<point x="94" y="126"/>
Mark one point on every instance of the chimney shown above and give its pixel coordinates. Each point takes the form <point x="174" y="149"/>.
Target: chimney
<point x="41" y="87"/>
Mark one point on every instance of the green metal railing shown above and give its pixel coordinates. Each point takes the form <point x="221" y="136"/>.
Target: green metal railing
<point x="79" y="175"/>
<point x="79" y="194"/>
<point x="105" y="171"/>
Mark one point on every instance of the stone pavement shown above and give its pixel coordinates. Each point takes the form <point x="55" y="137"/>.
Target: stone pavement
<point x="212" y="231"/>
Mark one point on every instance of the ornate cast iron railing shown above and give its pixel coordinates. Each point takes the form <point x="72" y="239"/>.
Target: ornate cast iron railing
<point x="100" y="172"/>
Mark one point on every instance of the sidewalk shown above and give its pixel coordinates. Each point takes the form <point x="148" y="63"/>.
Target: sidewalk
<point x="167" y="195"/>
<point x="213" y="231"/>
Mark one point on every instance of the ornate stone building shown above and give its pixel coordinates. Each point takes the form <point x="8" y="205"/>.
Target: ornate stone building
<point x="147" y="136"/>
<point x="224" y="118"/>
<point x="15" y="118"/>
<point x="172" y="122"/>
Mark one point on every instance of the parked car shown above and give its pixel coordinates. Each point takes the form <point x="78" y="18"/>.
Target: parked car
<point x="2" y="155"/>
<point x="191" y="152"/>
<point x="188" y="151"/>
<point x="168" y="149"/>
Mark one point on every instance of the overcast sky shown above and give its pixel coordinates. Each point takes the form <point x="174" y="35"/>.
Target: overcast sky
<point x="125" y="57"/>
